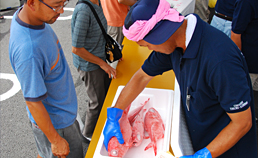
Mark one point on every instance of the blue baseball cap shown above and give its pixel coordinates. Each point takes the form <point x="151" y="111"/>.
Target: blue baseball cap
<point x="144" y="10"/>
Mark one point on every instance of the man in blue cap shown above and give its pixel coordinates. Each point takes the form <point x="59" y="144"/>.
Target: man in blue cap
<point x="216" y="91"/>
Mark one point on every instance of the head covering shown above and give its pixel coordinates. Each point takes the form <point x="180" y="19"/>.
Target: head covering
<point x="151" y="20"/>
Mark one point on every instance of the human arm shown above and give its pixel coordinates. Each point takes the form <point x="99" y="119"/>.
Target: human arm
<point x="229" y="81"/>
<point x="86" y="55"/>
<point x="133" y="88"/>
<point x="59" y="145"/>
<point x="127" y="2"/>
<point x="237" y="39"/>
<point x="239" y="125"/>
<point x="242" y="18"/>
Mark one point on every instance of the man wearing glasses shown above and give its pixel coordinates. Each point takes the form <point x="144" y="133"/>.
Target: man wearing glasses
<point x="39" y="63"/>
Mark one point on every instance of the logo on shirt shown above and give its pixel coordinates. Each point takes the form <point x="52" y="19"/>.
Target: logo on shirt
<point x="239" y="105"/>
<point x="242" y="54"/>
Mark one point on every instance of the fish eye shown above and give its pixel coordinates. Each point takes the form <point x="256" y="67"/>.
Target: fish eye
<point x="114" y="153"/>
<point x="138" y="136"/>
<point x="152" y="110"/>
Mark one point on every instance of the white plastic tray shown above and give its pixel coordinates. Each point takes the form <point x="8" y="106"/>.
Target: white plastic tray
<point x="162" y="101"/>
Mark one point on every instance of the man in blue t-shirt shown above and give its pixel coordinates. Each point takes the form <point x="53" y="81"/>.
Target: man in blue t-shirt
<point x="39" y="63"/>
<point x="216" y="93"/>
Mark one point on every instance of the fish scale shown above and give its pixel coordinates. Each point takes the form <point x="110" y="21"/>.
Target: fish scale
<point x="155" y="128"/>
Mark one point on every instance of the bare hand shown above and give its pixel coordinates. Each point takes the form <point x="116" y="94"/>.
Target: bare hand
<point x="109" y="70"/>
<point x="120" y="59"/>
<point x="60" y="148"/>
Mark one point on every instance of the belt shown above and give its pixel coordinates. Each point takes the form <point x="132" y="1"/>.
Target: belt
<point x="225" y="17"/>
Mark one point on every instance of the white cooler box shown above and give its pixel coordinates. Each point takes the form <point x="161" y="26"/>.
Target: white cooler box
<point x="167" y="102"/>
<point x="180" y="139"/>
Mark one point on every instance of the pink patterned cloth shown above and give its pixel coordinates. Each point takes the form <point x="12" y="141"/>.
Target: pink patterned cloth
<point x="140" y="28"/>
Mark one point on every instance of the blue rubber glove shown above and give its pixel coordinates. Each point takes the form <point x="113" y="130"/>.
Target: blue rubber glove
<point x="203" y="153"/>
<point x="112" y="127"/>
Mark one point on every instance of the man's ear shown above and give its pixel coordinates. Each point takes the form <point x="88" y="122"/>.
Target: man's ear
<point x="32" y="4"/>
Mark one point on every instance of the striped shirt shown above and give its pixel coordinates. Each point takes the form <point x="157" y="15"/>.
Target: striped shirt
<point x="86" y="33"/>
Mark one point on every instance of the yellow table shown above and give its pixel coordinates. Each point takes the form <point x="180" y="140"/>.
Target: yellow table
<point x="133" y="58"/>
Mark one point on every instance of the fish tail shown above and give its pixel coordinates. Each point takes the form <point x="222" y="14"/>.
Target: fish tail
<point x="151" y="144"/>
<point x="155" y="148"/>
<point x="146" y="137"/>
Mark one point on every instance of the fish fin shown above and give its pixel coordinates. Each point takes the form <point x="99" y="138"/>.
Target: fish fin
<point x="146" y="102"/>
<point x="146" y="137"/>
<point x="132" y="114"/>
<point x="155" y="148"/>
<point x="127" y="109"/>
<point x="149" y="146"/>
<point x="152" y="144"/>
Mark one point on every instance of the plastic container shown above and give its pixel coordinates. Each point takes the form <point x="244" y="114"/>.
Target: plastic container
<point x="162" y="101"/>
<point x="180" y="140"/>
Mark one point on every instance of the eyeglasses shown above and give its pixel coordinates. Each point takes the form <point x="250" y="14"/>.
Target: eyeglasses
<point x="56" y="9"/>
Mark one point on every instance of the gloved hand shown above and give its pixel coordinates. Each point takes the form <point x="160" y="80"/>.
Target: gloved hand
<point x="203" y="153"/>
<point x="112" y="127"/>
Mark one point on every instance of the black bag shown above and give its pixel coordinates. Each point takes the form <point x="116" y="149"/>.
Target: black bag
<point x="113" y="49"/>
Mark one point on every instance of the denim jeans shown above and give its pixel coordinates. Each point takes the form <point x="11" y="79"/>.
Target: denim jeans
<point x="71" y="134"/>
<point x="221" y="24"/>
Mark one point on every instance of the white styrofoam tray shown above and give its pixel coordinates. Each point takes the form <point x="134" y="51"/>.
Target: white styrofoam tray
<point x="162" y="101"/>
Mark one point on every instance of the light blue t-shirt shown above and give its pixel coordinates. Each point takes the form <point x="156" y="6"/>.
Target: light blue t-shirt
<point x="39" y="63"/>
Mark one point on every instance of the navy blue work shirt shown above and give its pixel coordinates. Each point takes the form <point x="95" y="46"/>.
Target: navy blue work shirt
<point x="225" y="7"/>
<point x="245" y="22"/>
<point x="216" y="75"/>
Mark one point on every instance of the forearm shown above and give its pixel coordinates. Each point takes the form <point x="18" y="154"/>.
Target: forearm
<point x="132" y="89"/>
<point x="236" y="38"/>
<point x="86" y="55"/>
<point x="127" y="2"/>
<point x="41" y="116"/>
<point x="230" y="135"/>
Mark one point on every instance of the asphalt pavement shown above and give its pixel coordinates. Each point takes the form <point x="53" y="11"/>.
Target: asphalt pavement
<point x="16" y="138"/>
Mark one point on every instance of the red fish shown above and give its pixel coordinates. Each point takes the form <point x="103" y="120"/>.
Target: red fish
<point x="155" y="127"/>
<point x="132" y="115"/>
<point x="115" y="149"/>
<point x="138" y="125"/>
<point x="138" y="128"/>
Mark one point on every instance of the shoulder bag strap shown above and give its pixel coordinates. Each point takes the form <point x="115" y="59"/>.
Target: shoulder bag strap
<point x="97" y="18"/>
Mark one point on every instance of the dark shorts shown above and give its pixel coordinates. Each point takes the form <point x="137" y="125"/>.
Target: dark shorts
<point x="71" y="134"/>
